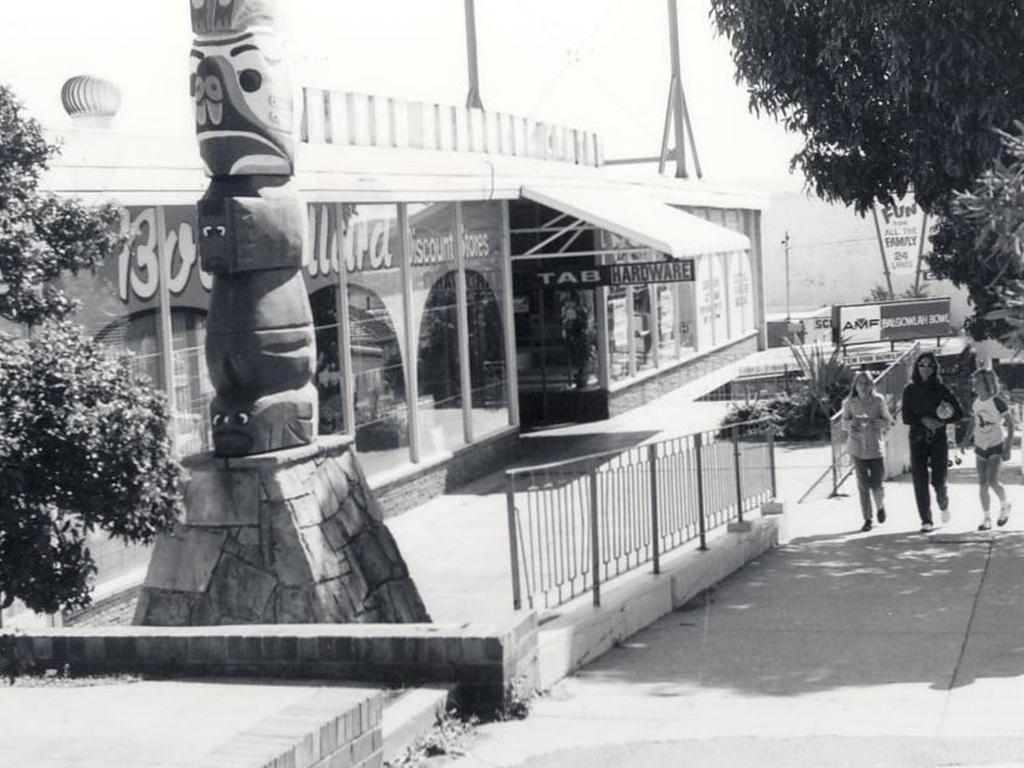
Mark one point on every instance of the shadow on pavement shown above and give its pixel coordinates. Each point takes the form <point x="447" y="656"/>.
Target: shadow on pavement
<point x="831" y="611"/>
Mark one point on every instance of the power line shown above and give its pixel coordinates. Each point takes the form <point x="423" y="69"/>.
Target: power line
<point x="569" y="59"/>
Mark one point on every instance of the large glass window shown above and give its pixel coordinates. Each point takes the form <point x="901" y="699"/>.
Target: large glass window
<point x="328" y="379"/>
<point x="643" y="327"/>
<point x="618" y="334"/>
<point x="435" y="299"/>
<point x="135" y="337"/>
<point x="485" y="287"/>
<point x="371" y="252"/>
<point x="192" y="388"/>
<point x="668" y="335"/>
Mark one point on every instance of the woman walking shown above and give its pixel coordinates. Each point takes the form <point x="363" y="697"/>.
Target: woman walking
<point x="989" y="415"/>
<point x="928" y="406"/>
<point x="866" y="418"/>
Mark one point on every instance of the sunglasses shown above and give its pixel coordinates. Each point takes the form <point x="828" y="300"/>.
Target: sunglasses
<point x="925" y="365"/>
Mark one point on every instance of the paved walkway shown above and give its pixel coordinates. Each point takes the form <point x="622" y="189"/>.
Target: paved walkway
<point x="839" y="649"/>
<point x="462" y="537"/>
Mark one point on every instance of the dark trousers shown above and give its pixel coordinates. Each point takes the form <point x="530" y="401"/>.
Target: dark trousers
<point x="928" y="451"/>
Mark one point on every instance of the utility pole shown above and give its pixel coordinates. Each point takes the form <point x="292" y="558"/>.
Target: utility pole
<point x="785" y="243"/>
<point x="473" y="97"/>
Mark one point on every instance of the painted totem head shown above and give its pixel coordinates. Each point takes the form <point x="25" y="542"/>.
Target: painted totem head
<point x="241" y="89"/>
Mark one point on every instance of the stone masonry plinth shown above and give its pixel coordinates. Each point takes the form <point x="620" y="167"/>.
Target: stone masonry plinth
<point x="292" y="537"/>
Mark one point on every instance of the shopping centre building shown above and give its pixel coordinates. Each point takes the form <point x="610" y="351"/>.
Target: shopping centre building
<point x="469" y="272"/>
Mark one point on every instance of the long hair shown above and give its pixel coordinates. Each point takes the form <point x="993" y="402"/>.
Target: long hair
<point x="857" y="377"/>
<point x="915" y="376"/>
<point x="990" y="380"/>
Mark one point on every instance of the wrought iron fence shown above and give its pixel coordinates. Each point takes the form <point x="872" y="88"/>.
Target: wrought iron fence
<point x="575" y="524"/>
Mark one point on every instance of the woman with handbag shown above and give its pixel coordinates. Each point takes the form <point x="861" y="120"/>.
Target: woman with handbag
<point x="928" y="406"/>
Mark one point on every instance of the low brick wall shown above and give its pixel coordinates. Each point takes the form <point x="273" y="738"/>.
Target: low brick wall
<point x="665" y="381"/>
<point x="484" y="661"/>
<point x="322" y="731"/>
<point x="467" y="464"/>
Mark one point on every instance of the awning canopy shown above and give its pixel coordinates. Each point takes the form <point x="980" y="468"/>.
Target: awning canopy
<point x="641" y="219"/>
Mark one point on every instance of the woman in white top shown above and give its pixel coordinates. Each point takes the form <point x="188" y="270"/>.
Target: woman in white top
<point x="865" y="420"/>
<point x="989" y="415"/>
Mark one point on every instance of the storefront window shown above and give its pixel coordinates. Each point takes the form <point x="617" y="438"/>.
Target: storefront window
<point x="192" y="388"/>
<point x="668" y="342"/>
<point x="618" y="334"/>
<point x="435" y="299"/>
<point x="135" y="338"/>
<point x="643" y="324"/>
<point x="328" y="378"/>
<point x="371" y="251"/>
<point x="484" y="309"/>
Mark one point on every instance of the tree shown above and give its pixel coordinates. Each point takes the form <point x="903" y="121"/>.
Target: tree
<point x="990" y="219"/>
<point x="83" y="439"/>
<point x="891" y="95"/>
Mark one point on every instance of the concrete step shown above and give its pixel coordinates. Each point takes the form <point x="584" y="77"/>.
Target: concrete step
<point x="410" y="715"/>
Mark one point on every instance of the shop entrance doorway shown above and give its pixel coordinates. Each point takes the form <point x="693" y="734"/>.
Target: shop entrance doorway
<point x="557" y="357"/>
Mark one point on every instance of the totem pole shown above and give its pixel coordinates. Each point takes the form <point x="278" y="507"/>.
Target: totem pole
<point x="279" y="527"/>
<point x="260" y="345"/>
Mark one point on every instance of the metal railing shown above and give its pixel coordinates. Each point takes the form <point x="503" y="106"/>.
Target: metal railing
<point x="575" y="524"/>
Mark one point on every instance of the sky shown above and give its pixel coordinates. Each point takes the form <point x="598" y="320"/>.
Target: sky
<point x="597" y="64"/>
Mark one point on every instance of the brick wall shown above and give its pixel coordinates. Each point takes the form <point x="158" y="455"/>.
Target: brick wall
<point x="467" y="464"/>
<point x="323" y="731"/>
<point x="483" y="661"/>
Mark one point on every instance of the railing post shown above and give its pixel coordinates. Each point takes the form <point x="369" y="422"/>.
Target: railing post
<point x="595" y="551"/>
<point x="835" y="462"/>
<point x="700" y="491"/>
<point x="652" y="458"/>
<point x="736" y="466"/>
<point x="513" y="543"/>
<point x="771" y="460"/>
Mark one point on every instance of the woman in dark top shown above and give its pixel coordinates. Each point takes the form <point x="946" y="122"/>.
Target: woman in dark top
<point x="928" y="406"/>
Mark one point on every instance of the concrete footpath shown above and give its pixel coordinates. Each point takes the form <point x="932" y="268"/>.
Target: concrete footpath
<point x="840" y="648"/>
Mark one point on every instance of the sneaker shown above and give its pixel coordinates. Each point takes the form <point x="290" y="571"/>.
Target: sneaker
<point x="986" y="525"/>
<point x="942" y="498"/>
<point x="944" y="514"/>
<point x="927" y="528"/>
<point x="1004" y="514"/>
<point x="867" y="526"/>
<point x="881" y="515"/>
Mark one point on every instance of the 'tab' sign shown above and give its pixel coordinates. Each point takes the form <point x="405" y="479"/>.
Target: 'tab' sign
<point x="891" y="321"/>
<point x="637" y="273"/>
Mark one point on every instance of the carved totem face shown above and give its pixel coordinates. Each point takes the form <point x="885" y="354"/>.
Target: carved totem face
<point x="243" y="104"/>
<point x="244" y="427"/>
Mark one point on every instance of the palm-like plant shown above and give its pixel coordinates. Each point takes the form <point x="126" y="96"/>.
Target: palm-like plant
<point x="826" y="376"/>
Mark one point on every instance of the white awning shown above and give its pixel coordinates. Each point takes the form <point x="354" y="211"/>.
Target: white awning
<point x="642" y="219"/>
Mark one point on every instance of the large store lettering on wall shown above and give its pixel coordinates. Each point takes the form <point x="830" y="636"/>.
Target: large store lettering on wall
<point x="365" y="245"/>
<point x="138" y="265"/>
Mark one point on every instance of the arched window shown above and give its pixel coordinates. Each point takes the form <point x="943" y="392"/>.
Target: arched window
<point x="382" y="416"/>
<point x="486" y="356"/>
<point x="440" y="384"/>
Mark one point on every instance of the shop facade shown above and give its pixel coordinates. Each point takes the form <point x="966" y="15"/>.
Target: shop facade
<point x="429" y="227"/>
<point x="607" y="316"/>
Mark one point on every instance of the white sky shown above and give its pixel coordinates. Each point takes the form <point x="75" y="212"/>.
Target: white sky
<point x="598" y="64"/>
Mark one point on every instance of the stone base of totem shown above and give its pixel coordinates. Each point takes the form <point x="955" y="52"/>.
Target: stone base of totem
<point x="290" y="537"/>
